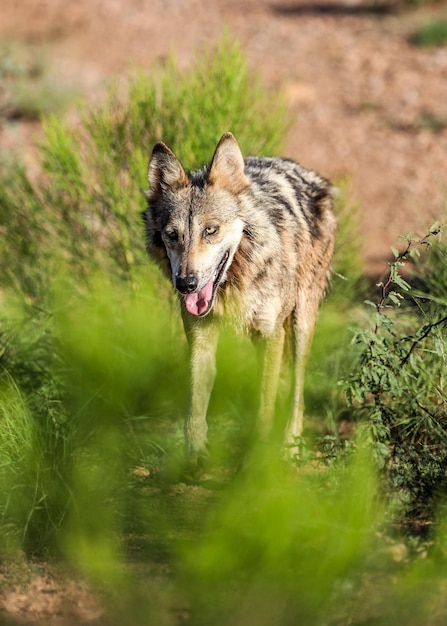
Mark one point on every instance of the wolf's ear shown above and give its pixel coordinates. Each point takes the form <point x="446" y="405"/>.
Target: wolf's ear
<point x="164" y="170"/>
<point x="227" y="166"/>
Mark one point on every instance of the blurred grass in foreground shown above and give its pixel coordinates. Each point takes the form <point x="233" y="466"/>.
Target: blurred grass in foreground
<point x="253" y="541"/>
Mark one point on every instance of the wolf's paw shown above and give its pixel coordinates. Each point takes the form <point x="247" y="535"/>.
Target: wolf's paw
<point x="195" y="466"/>
<point x="293" y="450"/>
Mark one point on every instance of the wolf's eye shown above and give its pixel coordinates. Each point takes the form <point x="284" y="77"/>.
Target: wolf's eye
<point x="211" y="230"/>
<point x="172" y="235"/>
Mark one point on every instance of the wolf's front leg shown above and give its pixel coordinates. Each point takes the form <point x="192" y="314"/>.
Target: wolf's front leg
<point x="203" y="342"/>
<point x="272" y="358"/>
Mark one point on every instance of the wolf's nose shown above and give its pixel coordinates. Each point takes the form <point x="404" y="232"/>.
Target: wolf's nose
<point x="186" y="284"/>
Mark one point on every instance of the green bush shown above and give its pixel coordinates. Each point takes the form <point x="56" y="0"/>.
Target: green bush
<point x="398" y="385"/>
<point x="35" y="432"/>
<point x="433" y="33"/>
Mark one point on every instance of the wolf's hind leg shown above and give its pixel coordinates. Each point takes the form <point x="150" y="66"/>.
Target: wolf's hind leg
<point x="203" y="344"/>
<point x="304" y="319"/>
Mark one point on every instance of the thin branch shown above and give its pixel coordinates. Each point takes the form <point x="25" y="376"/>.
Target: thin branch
<point x="423" y="336"/>
<point x="423" y="408"/>
<point x="398" y="260"/>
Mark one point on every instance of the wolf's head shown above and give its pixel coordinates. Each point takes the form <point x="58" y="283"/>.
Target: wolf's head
<point x="194" y="219"/>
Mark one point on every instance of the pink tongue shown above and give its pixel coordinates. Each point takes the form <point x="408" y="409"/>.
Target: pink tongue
<point x="197" y="303"/>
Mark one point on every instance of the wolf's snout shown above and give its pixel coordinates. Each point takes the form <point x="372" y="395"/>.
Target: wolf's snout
<point x="186" y="284"/>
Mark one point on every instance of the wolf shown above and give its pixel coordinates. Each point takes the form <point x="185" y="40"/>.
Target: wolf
<point x="248" y="240"/>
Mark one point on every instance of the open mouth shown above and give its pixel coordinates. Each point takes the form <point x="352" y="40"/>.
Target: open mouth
<point x="200" y="302"/>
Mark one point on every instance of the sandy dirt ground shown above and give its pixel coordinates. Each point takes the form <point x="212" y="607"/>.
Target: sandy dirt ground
<point x="368" y="106"/>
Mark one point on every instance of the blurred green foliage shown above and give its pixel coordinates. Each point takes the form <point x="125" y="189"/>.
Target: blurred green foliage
<point x="433" y="33"/>
<point x="278" y="545"/>
<point x="398" y="384"/>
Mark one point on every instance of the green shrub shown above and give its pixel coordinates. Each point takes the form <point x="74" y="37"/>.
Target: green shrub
<point x="398" y="387"/>
<point x="35" y="433"/>
<point x="433" y="33"/>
